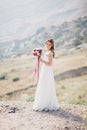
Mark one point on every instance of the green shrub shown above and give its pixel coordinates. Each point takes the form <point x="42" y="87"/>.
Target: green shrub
<point x="12" y="70"/>
<point x="3" y="76"/>
<point x="15" y="79"/>
<point x="30" y="99"/>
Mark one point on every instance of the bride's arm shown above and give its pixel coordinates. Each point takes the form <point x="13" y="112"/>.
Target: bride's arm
<point x="49" y="62"/>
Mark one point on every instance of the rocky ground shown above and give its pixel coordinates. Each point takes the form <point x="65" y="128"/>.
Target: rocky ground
<point x="18" y="115"/>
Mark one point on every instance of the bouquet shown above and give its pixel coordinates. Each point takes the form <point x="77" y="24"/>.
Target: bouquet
<point x="37" y="52"/>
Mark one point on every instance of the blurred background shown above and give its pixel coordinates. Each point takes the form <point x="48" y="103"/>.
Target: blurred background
<point x="25" y="25"/>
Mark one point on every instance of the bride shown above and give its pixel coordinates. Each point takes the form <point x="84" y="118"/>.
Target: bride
<point x="45" y="96"/>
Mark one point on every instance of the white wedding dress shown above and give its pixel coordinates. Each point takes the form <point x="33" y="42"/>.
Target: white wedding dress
<point x="45" y="96"/>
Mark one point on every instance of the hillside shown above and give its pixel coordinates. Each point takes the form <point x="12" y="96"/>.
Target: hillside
<point x="68" y="36"/>
<point x="70" y="71"/>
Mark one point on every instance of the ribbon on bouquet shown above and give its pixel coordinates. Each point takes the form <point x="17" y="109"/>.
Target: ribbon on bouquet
<point x="37" y="68"/>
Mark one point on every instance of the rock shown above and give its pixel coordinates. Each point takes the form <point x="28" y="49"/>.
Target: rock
<point x="66" y="128"/>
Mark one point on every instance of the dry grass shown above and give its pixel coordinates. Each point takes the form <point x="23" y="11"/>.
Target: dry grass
<point x="72" y="90"/>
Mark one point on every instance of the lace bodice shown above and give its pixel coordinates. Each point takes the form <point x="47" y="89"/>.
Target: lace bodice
<point x="45" y="53"/>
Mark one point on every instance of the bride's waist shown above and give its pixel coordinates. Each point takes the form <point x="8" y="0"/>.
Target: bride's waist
<point x="48" y="66"/>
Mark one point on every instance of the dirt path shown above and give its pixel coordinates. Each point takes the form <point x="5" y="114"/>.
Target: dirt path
<point x="17" y="115"/>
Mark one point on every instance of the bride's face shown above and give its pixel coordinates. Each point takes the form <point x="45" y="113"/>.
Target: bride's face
<point x="48" y="45"/>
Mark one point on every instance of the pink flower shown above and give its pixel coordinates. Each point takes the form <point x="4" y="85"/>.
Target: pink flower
<point x="37" y="52"/>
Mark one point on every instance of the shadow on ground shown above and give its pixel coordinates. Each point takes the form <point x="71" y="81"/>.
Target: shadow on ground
<point x="72" y="73"/>
<point x="60" y="113"/>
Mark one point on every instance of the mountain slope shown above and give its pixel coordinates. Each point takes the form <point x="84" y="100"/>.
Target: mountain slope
<point x="69" y="35"/>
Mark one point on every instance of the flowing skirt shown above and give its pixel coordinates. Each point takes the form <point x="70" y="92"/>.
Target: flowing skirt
<point x="45" y="96"/>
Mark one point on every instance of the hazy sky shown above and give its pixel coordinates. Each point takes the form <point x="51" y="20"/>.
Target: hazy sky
<point x="22" y="16"/>
<point x="31" y="9"/>
<point x="35" y="9"/>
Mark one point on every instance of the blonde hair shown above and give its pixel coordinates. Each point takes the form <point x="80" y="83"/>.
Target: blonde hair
<point x="52" y="48"/>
